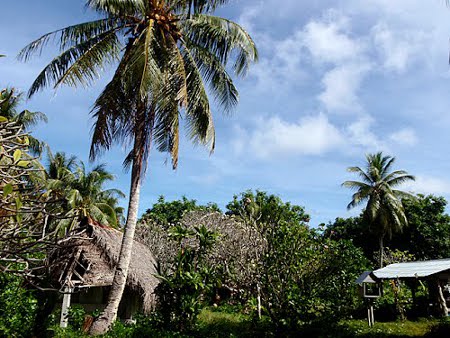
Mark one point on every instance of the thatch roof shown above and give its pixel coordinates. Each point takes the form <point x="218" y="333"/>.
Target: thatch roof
<point x="88" y="257"/>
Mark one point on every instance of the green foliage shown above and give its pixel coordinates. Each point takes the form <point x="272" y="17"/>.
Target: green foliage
<point x="167" y="214"/>
<point x="309" y="278"/>
<point x="259" y="208"/>
<point x="81" y="193"/>
<point x="76" y="316"/>
<point x="18" y="307"/>
<point x="428" y="222"/>
<point x="384" y="211"/>
<point x="422" y="238"/>
<point x="182" y="289"/>
<point x="9" y="104"/>
<point x="304" y="276"/>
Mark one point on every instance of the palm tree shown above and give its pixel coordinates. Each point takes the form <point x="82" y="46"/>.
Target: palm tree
<point x="9" y="102"/>
<point x="173" y="50"/>
<point x="384" y="209"/>
<point x="82" y="193"/>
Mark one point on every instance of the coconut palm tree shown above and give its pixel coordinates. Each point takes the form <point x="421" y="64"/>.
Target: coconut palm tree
<point x="82" y="193"/>
<point x="9" y="102"/>
<point x="169" y="53"/>
<point x="384" y="210"/>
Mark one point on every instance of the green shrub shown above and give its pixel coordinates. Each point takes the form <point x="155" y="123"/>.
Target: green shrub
<point x="182" y="289"/>
<point x="17" y="306"/>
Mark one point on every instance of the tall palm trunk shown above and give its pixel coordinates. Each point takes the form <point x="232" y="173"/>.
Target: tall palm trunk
<point x="381" y="251"/>
<point x="109" y="315"/>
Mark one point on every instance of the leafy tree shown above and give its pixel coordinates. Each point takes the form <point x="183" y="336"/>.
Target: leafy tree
<point x="183" y="286"/>
<point x="426" y="236"/>
<point x="384" y="210"/>
<point x="9" y="102"/>
<point x="356" y="230"/>
<point x="260" y="208"/>
<point x="172" y="49"/>
<point x="22" y="210"/>
<point x="170" y="213"/>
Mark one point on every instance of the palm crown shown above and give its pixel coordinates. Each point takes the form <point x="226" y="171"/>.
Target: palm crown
<point x="378" y="188"/>
<point x="168" y="53"/>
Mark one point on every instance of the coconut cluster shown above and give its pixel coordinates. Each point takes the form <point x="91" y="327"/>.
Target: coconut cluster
<point x="166" y="20"/>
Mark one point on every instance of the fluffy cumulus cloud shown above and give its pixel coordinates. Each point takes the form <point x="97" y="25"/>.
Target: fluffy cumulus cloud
<point x="328" y="40"/>
<point x="341" y="86"/>
<point x="312" y="135"/>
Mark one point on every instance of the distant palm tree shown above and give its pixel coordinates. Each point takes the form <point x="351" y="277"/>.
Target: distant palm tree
<point x="82" y="193"/>
<point x="9" y="103"/>
<point x="384" y="210"/>
<point x="173" y="50"/>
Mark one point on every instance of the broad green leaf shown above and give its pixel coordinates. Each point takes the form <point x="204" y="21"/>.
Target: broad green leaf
<point x="23" y="164"/>
<point x="17" y="155"/>
<point x="7" y="189"/>
<point x="18" y="203"/>
<point x="26" y="141"/>
<point x="3" y="119"/>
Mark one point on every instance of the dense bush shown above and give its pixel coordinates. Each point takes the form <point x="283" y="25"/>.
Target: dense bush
<point x="185" y="285"/>
<point x="17" y="307"/>
<point x="309" y="278"/>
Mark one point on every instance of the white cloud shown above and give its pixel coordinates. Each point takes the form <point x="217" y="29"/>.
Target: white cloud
<point x="398" y="49"/>
<point x="328" y="41"/>
<point x="312" y="135"/>
<point x="406" y="137"/>
<point x="360" y="134"/>
<point x="428" y="185"/>
<point x="341" y="86"/>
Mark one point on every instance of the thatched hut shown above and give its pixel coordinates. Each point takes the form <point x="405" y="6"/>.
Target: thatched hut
<point x="83" y="266"/>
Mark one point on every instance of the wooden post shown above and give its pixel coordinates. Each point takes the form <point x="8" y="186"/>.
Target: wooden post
<point x="259" y="301"/>
<point x="441" y="300"/>
<point x="370" y="315"/>
<point x="65" y="307"/>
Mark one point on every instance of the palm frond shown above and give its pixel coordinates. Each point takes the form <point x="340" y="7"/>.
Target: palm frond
<point x="355" y="185"/>
<point x="69" y="36"/>
<point x="361" y="173"/>
<point x="223" y="38"/>
<point x="214" y="73"/>
<point x="196" y="6"/>
<point x="398" y="180"/>
<point x="117" y="7"/>
<point x="80" y="63"/>
<point x="198" y="112"/>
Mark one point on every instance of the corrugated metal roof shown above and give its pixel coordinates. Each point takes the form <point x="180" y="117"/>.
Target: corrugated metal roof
<point x="413" y="269"/>
<point x="365" y="278"/>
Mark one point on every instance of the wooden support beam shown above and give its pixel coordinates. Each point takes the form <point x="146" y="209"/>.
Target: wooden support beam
<point x="65" y="307"/>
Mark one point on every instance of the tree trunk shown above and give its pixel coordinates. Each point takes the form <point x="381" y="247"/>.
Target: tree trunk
<point x="443" y="310"/>
<point x="381" y="251"/>
<point x="109" y="315"/>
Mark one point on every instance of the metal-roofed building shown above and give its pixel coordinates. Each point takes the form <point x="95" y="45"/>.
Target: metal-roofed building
<point x="435" y="272"/>
<point x="439" y="268"/>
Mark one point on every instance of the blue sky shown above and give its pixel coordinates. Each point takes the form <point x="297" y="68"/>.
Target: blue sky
<point x="335" y="80"/>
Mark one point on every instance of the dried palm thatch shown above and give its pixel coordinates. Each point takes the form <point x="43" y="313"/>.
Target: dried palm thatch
<point x="88" y="257"/>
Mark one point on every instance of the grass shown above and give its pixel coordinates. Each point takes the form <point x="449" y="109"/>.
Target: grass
<point x="220" y="324"/>
<point x="419" y="328"/>
<point x="216" y="324"/>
